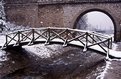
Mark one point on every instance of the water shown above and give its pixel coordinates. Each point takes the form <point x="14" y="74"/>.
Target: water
<point x="68" y="63"/>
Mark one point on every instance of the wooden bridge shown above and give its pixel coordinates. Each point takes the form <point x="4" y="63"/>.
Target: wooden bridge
<point x="65" y="36"/>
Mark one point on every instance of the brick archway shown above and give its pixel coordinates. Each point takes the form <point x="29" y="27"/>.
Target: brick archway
<point x="98" y="10"/>
<point x="63" y="13"/>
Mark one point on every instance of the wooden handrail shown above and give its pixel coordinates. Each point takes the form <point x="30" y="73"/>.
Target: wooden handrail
<point x="51" y="33"/>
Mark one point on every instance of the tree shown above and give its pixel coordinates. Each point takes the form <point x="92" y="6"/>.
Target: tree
<point x="82" y="23"/>
<point x="2" y="12"/>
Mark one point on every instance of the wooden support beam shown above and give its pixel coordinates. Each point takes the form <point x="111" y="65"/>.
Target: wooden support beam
<point x="40" y="35"/>
<point x="99" y="44"/>
<point x="66" y="38"/>
<point x="48" y="37"/>
<point x="86" y="43"/>
<point x="33" y="37"/>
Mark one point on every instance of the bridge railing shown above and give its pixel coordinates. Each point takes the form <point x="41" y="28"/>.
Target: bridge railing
<point x="64" y="35"/>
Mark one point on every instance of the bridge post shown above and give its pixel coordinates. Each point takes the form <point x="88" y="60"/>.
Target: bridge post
<point x="86" y="44"/>
<point x="107" y="57"/>
<point x="18" y="42"/>
<point x="93" y="38"/>
<point x="48" y="37"/>
<point x="33" y="37"/>
<point x="6" y="41"/>
<point x="66" y="38"/>
<point x="111" y="43"/>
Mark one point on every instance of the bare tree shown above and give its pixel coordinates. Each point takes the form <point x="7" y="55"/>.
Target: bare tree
<point x="82" y="23"/>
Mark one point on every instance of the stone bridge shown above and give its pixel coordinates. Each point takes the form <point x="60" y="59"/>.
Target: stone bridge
<point x="61" y="13"/>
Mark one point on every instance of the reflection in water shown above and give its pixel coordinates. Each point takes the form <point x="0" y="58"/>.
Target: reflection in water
<point x="64" y="63"/>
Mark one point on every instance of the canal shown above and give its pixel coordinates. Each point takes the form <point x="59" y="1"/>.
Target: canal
<point x="51" y="62"/>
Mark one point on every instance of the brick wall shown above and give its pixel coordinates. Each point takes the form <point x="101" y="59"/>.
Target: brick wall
<point x="60" y="15"/>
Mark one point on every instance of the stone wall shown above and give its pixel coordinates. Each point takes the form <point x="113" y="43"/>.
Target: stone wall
<point x="50" y="15"/>
<point x="59" y="1"/>
<point x="60" y="15"/>
<point x="74" y="11"/>
<point x="19" y="1"/>
<point x="26" y="15"/>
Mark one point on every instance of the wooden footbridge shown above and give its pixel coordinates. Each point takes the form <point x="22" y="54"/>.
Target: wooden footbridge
<point x="65" y="36"/>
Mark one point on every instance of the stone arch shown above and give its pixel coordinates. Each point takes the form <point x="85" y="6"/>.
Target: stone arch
<point x="99" y="10"/>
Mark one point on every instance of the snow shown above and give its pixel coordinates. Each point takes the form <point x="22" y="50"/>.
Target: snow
<point x="114" y="46"/>
<point x="3" y="56"/>
<point x="43" y="51"/>
<point x="2" y="22"/>
<point x="102" y="75"/>
<point x="2" y="40"/>
<point x="38" y="50"/>
<point x="108" y="66"/>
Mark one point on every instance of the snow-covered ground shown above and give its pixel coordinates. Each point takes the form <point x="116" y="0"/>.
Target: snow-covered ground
<point x="102" y="75"/>
<point x="2" y="40"/>
<point x="10" y="27"/>
<point x="43" y="51"/>
<point x="3" y="56"/>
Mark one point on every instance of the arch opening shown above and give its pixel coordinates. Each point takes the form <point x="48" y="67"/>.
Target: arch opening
<point x="97" y="21"/>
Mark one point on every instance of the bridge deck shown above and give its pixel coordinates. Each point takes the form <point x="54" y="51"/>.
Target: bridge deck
<point x="91" y="40"/>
